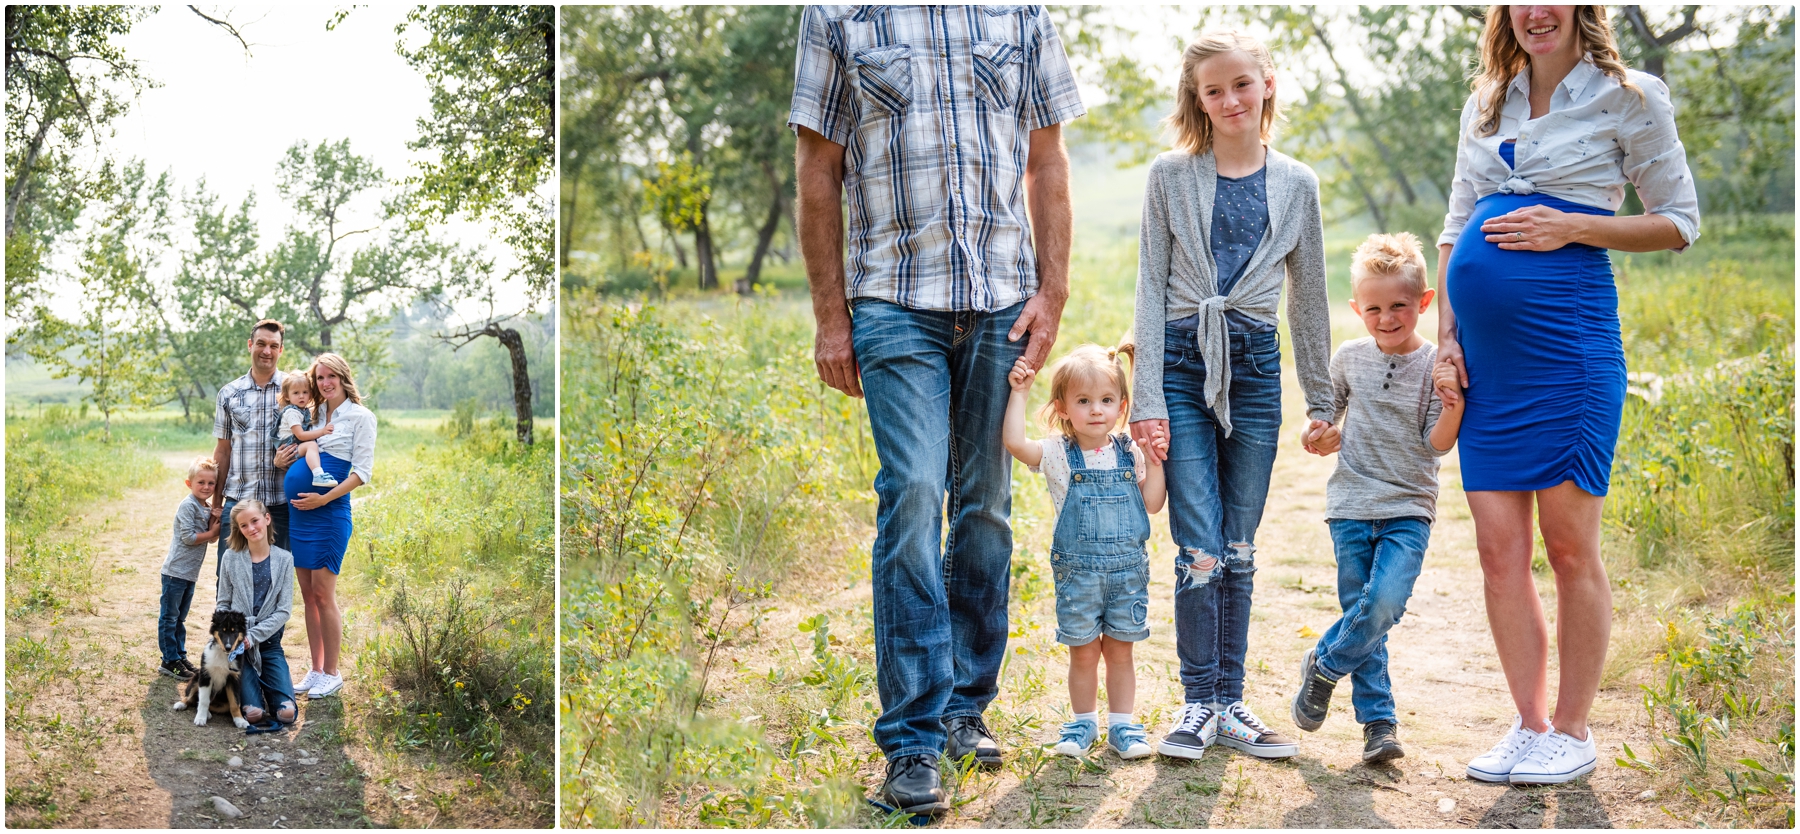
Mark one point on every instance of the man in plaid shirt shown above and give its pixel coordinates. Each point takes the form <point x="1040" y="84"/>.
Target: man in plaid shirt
<point x="244" y="423"/>
<point x="938" y="126"/>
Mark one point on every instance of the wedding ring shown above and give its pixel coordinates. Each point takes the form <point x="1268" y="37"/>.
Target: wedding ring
<point x="1519" y="235"/>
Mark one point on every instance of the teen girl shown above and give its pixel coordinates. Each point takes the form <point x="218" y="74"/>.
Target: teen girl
<point x="1225" y="220"/>
<point x="256" y="579"/>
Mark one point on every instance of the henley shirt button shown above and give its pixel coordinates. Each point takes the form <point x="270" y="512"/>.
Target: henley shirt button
<point x="1384" y="385"/>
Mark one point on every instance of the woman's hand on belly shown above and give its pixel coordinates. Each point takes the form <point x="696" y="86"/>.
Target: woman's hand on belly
<point x="1535" y="229"/>
<point x="309" y="501"/>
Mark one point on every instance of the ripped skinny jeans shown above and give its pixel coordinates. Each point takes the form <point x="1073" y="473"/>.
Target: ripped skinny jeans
<point x="1217" y="488"/>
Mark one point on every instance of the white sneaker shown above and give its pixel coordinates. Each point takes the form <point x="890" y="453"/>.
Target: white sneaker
<point x="308" y="682"/>
<point x="1557" y="757"/>
<point x="327" y="685"/>
<point x="1496" y="765"/>
<point x="1241" y="729"/>
<point x="1194" y="729"/>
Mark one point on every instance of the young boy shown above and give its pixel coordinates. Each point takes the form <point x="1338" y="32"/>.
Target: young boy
<point x="195" y="526"/>
<point x="1399" y="412"/>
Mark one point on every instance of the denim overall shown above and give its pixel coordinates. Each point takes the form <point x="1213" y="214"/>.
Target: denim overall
<point x="1102" y="570"/>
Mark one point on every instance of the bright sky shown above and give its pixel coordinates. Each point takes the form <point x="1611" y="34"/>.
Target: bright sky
<point x="230" y="117"/>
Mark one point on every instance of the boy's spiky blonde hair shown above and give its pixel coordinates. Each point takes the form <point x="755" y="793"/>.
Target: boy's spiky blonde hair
<point x="1394" y="255"/>
<point x="201" y="464"/>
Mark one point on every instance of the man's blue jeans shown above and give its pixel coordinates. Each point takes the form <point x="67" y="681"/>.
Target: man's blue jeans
<point x="935" y="385"/>
<point x="1217" y="488"/>
<point x="1378" y="562"/>
<point x="274" y="686"/>
<point x="171" y="621"/>
<point x="278" y="525"/>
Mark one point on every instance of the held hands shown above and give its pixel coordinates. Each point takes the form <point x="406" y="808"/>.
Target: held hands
<point x="1447" y="382"/>
<point x="1157" y="450"/>
<point x="1533" y="229"/>
<point x="1320" y="438"/>
<point x="1022" y="376"/>
<point x="1040" y="318"/>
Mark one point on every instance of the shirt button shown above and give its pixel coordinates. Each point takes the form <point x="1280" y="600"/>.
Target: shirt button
<point x="1384" y="385"/>
<point x="1390" y="376"/>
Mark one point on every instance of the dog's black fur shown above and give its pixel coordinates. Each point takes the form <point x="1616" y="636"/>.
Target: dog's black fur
<point x="216" y="683"/>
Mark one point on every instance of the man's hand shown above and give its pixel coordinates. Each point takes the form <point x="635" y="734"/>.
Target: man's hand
<point x="1147" y="433"/>
<point x="1040" y="318"/>
<point x="834" y="356"/>
<point x="285" y="457"/>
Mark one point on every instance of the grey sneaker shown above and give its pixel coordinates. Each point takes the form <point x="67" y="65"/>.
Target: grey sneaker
<point x="1313" y="700"/>
<point x="1196" y="726"/>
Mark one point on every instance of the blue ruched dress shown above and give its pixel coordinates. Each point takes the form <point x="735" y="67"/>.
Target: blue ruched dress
<point x="318" y="537"/>
<point x="1540" y="339"/>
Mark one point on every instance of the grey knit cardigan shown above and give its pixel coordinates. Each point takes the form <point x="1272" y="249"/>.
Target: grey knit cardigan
<point x="237" y="592"/>
<point x="1178" y="278"/>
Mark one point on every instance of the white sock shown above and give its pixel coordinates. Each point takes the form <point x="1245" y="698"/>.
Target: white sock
<point x="1088" y="716"/>
<point x="318" y="470"/>
<point x="1114" y="719"/>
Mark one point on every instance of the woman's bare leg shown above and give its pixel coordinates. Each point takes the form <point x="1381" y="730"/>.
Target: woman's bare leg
<point x="1515" y="615"/>
<point x="1570" y="520"/>
<point x="315" y="634"/>
<point x="331" y="623"/>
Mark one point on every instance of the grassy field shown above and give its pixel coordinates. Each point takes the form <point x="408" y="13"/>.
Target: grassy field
<point x="447" y="610"/>
<point x="712" y="489"/>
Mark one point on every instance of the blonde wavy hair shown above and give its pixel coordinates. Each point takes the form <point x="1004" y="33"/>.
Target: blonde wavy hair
<point x="1396" y="255"/>
<point x="1193" y="128"/>
<point x="238" y="540"/>
<point x="1086" y="363"/>
<point x="338" y="366"/>
<point x="1502" y="58"/>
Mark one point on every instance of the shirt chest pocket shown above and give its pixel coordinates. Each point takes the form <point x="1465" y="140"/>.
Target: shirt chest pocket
<point x="1106" y="517"/>
<point x="998" y="66"/>
<point x="242" y="414"/>
<point x="884" y="77"/>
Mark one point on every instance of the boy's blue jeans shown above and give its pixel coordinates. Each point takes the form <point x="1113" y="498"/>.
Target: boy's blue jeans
<point x="1378" y="562"/>
<point x="1217" y="488"/>
<point x="274" y="685"/>
<point x="171" y="621"/>
<point x="936" y="390"/>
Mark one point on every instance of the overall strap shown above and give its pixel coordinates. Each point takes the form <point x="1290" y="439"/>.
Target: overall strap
<point x="1122" y="448"/>
<point x="1072" y="449"/>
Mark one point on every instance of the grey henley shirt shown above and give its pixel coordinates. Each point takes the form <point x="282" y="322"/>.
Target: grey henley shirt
<point x="1385" y="409"/>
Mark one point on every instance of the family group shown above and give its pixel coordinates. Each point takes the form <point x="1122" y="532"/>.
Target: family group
<point x="277" y="525"/>
<point x="939" y="129"/>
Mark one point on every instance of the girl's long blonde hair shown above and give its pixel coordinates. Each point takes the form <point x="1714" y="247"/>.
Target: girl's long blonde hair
<point x="1086" y="363"/>
<point x="1193" y="128"/>
<point x="1502" y="58"/>
<point x="238" y="541"/>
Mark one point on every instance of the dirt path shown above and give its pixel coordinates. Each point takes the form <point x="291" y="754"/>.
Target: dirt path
<point x="151" y="766"/>
<point x="1446" y="678"/>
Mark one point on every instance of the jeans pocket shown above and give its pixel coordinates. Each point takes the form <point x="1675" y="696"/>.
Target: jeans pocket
<point x="1173" y="357"/>
<point x="884" y="74"/>
<point x="1266" y="363"/>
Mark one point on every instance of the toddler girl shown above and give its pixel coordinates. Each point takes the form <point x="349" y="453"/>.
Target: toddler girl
<point x="1102" y="484"/>
<point x="293" y="424"/>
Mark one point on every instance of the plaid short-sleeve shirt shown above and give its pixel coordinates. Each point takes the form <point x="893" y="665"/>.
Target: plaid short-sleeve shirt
<point x="246" y="415"/>
<point x="934" y="106"/>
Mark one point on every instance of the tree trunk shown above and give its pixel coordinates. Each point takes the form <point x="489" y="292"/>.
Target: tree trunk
<point x="23" y="176"/>
<point x="568" y="230"/>
<point x="763" y="235"/>
<point x="521" y="381"/>
<point x="703" y="253"/>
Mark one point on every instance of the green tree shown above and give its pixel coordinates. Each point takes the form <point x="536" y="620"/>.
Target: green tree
<point x="66" y="83"/>
<point x="493" y="127"/>
<point x="104" y="346"/>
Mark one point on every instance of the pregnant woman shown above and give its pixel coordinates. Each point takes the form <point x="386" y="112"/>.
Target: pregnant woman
<point x="1555" y="128"/>
<point x="319" y="526"/>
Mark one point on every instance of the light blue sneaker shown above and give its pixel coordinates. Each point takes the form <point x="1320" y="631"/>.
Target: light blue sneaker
<point x="1077" y="737"/>
<point x="1129" y="740"/>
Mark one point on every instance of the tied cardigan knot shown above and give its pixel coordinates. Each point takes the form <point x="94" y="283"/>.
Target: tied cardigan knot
<point x="1215" y="349"/>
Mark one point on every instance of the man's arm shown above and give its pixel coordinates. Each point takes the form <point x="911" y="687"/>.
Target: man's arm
<point x="819" y="181"/>
<point x="1052" y="221"/>
<point x="221" y="459"/>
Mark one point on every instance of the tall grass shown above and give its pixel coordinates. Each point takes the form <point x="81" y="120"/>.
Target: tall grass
<point x="56" y="465"/>
<point x="705" y="463"/>
<point x="458" y="559"/>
